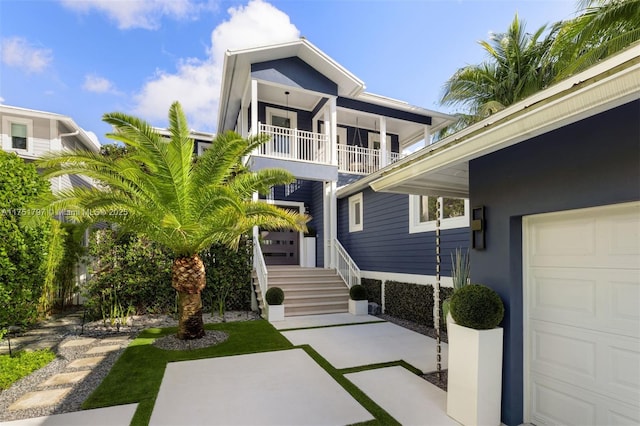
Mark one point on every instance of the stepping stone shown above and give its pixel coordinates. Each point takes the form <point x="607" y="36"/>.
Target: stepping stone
<point x="86" y="362"/>
<point x="43" y="398"/>
<point x="85" y="341"/>
<point x="112" y="340"/>
<point x="103" y="349"/>
<point x="65" y="378"/>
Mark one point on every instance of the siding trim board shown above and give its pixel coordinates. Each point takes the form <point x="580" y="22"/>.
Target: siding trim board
<point x="354" y="104"/>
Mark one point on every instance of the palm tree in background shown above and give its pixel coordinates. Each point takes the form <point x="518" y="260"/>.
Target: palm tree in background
<point x="159" y="190"/>
<point x="520" y="64"/>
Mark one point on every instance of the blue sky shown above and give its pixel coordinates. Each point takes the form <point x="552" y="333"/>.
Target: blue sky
<point x="83" y="58"/>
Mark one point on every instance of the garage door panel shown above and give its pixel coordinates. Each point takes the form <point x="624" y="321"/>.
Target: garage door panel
<point x="604" y="300"/>
<point x="582" y="290"/>
<point x="558" y="403"/>
<point x="608" y="364"/>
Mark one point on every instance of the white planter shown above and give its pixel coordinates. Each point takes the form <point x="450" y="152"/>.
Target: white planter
<point x="358" y="307"/>
<point x="309" y="252"/>
<point x="275" y="313"/>
<point x="474" y="386"/>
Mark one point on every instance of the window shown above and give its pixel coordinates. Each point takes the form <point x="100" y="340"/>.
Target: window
<point x="18" y="136"/>
<point x="423" y="213"/>
<point x="19" y="132"/>
<point x="355" y="213"/>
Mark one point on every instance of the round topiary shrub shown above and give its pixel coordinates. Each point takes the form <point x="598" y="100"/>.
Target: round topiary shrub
<point x="358" y="292"/>
<point x="477" y="306"/>
<point x="274" y="296"/>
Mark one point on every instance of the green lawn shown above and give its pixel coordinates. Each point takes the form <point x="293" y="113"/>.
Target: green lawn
<point x="22" y="364"/>
<point x="137" y="375"/>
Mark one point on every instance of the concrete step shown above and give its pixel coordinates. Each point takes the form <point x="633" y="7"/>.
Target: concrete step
<point x="305" y="280"/>
<point x="315" y="308"/>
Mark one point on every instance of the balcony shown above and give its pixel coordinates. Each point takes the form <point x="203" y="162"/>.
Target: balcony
<point x="304" y="146"/>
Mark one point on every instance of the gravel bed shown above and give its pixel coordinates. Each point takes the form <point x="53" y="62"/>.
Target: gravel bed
<point x="172" y="343"/>
<point x="97" y="329"/>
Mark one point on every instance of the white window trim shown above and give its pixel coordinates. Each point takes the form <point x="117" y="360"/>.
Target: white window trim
<point x="292" y="115"/>
<point x="415" y="226"/>
<point x="353" y="201"/>
<point x="6" y="133"/>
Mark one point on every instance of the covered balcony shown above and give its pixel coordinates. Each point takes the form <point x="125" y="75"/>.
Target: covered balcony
<point x="305" y="146"/>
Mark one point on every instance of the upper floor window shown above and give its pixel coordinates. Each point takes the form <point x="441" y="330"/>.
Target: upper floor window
<point x="423" y="213"/>
<point x="19" y="132"/>
<point x="355" y="213"/>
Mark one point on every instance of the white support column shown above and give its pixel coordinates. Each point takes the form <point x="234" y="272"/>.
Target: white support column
<point x="254" y="107"/>
<point x="333" y="216"/>
<point x="333" y="113"/>
<point x="327" y="131"/>
<point x="384" y="150"/>
<point x="326" y="233"/>
<point x="427" y="135"/>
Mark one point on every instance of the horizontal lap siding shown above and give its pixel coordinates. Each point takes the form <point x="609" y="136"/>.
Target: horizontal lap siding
<point x="385" y="244"/>
<point x="317" y="220"/>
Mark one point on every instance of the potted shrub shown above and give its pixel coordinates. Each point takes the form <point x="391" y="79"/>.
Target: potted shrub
<point x="474" y="385"/>
<point x="358" y="301"/>
<point x="275" y="308"/>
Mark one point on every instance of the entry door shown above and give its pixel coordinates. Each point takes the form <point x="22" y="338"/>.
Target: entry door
<point x="582" y="316"/>
<point x="281" y="247"/>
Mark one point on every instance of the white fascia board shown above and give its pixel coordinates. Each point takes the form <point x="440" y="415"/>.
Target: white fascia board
<point x="593" y="91"/>
<point x="442" y="118"/>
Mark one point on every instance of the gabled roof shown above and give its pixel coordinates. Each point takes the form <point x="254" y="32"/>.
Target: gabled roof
<point x="443" y="167"/>
<point x="90" y="142"/>
<point x="237" y="63"/>
<point x="237" y="68"/>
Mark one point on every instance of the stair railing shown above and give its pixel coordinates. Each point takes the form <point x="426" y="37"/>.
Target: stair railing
<point x="261" y="268"/>
<point x="345" y="266"/>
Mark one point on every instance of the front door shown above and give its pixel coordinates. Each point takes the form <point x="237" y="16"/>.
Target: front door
<point x="280" y="247"/>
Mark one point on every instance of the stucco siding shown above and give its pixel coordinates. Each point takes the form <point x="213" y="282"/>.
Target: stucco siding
<point x="590" y="163"/>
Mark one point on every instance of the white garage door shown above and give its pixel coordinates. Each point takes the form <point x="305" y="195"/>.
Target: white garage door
<point x="582" y="316"/>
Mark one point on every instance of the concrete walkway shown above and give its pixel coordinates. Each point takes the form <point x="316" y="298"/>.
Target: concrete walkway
<point x="288" y="387"/>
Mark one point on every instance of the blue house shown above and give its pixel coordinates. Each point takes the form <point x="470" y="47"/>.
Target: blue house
<point x="334" y="137"/>
<point x="554" y="187"/>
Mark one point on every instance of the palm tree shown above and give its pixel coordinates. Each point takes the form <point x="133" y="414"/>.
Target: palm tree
<point x="159" y="190"/>
<point x="518" y="66"/>
<point x="603" y="28"/>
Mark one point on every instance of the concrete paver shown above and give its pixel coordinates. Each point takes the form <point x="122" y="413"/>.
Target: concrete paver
<point x="86" y="362"/>
<point x="65" y="378"/>
<point x="271" y="388"/>
<point x="120" y="415"/>
<point x="103" y="349"/>
<point x="42" y="398"/>
<point x="408" y="398"/>
<point x="83" y="341"/>
<point x="306" y="321"/>
<point x="365" y="344"/>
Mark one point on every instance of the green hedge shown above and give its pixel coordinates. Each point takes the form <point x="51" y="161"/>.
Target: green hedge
<point x="412" y="302"/>
<point x="374" y="289"/>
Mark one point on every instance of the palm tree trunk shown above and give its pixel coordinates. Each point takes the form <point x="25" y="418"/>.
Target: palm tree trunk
<point x="188" y="278"/>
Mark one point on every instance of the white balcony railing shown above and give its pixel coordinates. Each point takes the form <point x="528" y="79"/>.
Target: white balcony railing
<point x="295" y="144"/>
<point x="345" y="266"/>
<point x="355" y="159"/>
<point x="301" y="145"/>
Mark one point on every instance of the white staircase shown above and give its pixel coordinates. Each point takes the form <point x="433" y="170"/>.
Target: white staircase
<point x="308" y="291"/>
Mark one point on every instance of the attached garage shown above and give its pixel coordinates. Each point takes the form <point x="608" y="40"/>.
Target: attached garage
<point x="582" y="316"/>
<point x="555" y="180"/>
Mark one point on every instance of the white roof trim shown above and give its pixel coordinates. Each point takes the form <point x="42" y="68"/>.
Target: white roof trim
<point x="613" y="82"/>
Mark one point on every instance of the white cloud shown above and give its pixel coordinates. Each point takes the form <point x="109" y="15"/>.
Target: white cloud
<point x="18" y="52"/>
<point x="95" y="83"/>
<point x="196" y="83"/>
<point x="145" y="14"/>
